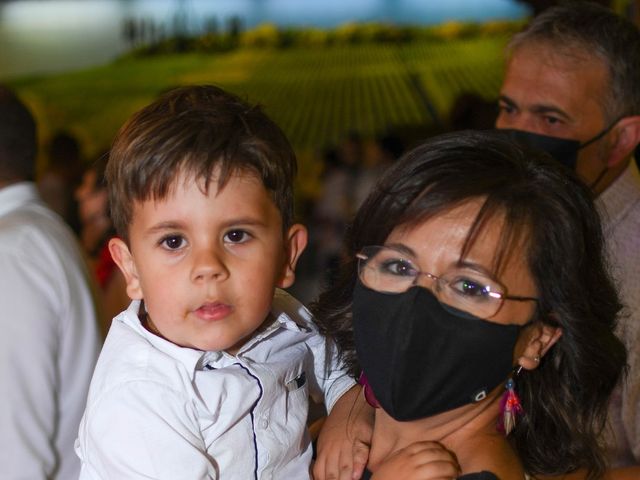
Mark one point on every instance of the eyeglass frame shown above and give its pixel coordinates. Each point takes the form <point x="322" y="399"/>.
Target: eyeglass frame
<point x="498" y="296"/>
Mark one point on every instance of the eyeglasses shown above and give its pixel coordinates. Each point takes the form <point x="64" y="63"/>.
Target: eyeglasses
<point x="390" y="270"/>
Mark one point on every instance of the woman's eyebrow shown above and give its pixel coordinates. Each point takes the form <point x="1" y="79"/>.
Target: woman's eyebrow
<point x="462" y="263"/>
<point x="402" y="248"/>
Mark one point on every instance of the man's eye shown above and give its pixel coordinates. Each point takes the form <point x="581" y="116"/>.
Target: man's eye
<point x="172" y="242"/>
<point x="502" y="107"/>
<point x="552" y="120"/>
<point x="237" y="236"/>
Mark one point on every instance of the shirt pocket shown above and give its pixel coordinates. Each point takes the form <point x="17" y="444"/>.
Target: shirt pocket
<point x="297" y="393"/>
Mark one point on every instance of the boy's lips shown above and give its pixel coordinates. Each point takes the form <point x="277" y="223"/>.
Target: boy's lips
<point x="213" y="311"/>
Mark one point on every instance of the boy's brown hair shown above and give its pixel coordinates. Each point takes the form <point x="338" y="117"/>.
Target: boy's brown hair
<point x="192" y="131"/>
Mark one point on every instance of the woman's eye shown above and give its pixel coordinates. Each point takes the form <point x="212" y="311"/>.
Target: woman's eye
<point x="398" y="267"/>
<point x="237" y="236"/>
<point x="172" y="242"/>
<point x="469" y="288"/>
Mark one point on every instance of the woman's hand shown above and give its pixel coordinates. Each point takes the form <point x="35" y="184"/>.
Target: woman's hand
<point x="419" y="461"/>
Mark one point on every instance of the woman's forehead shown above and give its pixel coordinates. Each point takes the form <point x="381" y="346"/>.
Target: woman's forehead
<point x="463" y="232"/>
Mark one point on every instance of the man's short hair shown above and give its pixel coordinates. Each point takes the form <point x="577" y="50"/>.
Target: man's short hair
<point x="587" y="29"/>
<point x="195" y="130"/>
<point x="18" y="143"/>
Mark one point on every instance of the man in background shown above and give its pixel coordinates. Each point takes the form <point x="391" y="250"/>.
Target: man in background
<point x="572" y="88"/>
<point x="48" y="327"/>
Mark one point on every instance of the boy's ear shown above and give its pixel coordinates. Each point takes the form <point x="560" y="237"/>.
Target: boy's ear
<point x="123" y="258"/>
<point x="627" y="138"/>
<point x="295" y="243"/>
<point x="541" y="337"/>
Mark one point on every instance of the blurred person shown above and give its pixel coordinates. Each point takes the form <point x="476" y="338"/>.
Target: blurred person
<point x="337" y="202"/>
<point x="96" y="229"/>
<point x="383" y="151"/>
<point x="61" y="177"/>
<point x="331" y="213"/>
<point x="49" y="341"/>
<point x="571" y="88"/>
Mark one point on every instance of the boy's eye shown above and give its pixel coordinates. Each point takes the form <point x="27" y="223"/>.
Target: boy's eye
<point x="237" y="236"/>
<point x="172" y="242"/>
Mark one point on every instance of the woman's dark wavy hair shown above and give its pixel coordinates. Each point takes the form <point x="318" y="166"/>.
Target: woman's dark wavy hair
<point x="546" y="207"/>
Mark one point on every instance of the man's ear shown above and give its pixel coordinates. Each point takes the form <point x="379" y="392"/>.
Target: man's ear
<point x="295" y="243"/>
<point x="123" y="258"/>
<point x="539" y="339"/>
<point x="627" y="137"/>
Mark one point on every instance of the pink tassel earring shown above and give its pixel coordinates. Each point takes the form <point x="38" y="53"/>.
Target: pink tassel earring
<point x="510" y="408"/>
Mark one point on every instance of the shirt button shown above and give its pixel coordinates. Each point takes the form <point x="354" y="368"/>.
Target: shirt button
<point x="264" y="423"/>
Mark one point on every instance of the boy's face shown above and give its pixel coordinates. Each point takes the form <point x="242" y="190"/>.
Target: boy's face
<point x="206" y="266"/>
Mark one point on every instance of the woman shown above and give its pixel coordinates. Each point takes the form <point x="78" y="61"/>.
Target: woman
<point x="478" y="308"/>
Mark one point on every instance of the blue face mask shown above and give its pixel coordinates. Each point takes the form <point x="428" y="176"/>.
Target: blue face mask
<point x="564" y="150"/>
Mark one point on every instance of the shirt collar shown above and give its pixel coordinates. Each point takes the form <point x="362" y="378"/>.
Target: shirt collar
<point x="621" y="196"/>
<point x="16" y="195"/>
<point x="189" y="357"/>
<point x="193" y="359"/>
<point x="281" y="320"/>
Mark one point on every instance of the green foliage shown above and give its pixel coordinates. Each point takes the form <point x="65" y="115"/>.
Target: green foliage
<point x="317" y="94"/>
<point x="270" y="36"/>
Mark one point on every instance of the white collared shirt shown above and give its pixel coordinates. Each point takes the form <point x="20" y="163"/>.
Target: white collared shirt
<point x="160" y="411"/>
<point x="49" y="339"/>
<point x="619" y="205"/>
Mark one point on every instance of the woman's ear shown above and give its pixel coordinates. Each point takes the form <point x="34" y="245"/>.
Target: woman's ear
<point x="295" y="243"/>
<point x="539" y="338"/>
<point x="123" y="258"/>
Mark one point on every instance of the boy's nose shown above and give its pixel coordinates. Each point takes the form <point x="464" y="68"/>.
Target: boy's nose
<point x="208" y="265"/>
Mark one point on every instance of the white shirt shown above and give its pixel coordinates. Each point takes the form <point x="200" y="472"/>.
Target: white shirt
<point x="48" y="339"/>
<point x="160" y="411"/>
<point x="620" y="206"/>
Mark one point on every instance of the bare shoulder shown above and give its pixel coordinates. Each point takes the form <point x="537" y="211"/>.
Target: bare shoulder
<point x="491" y="453"/>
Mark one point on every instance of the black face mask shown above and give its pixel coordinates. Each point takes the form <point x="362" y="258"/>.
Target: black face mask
<point x="421" y="358"/>
<point x="564" y="150"/>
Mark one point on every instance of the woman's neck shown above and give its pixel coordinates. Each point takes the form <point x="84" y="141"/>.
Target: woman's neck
<point x="469" y="431"/>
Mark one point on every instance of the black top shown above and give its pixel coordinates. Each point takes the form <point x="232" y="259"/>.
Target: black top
<point x="484" y="475"/>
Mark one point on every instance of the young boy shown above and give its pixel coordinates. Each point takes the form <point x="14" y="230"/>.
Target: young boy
<point x="207" y="373"/>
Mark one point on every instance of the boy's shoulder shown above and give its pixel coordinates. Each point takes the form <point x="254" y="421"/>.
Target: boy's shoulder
<point x="286" y="306"/>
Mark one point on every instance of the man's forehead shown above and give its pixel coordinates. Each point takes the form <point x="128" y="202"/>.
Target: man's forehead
<point x="548" y="78"/>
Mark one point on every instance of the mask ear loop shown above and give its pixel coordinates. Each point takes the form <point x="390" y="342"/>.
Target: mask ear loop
<point x="601" y="134"/>
<point x="600" y="176"/>
<point x="595" y="139"/>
